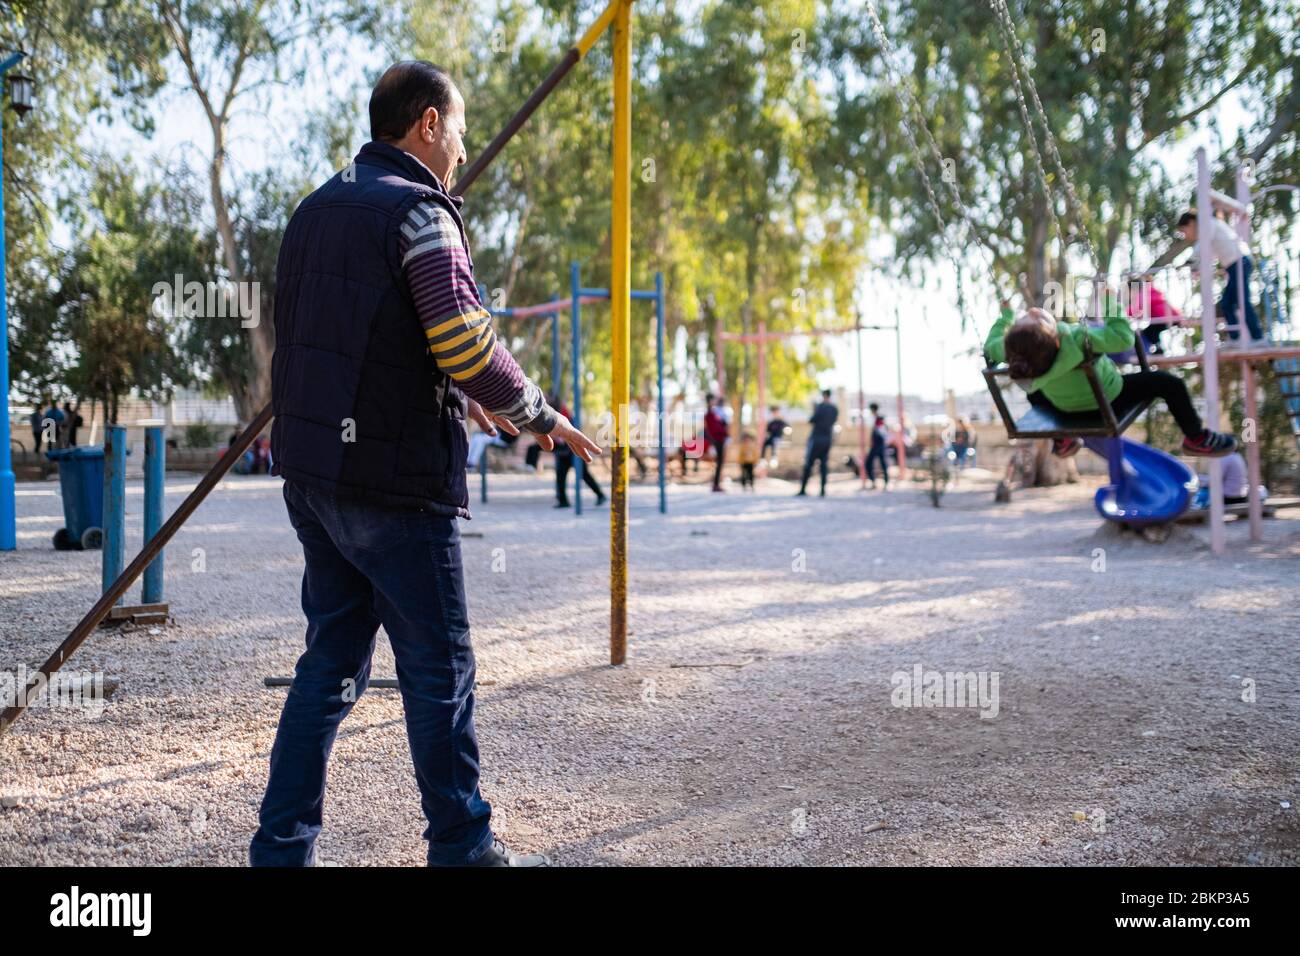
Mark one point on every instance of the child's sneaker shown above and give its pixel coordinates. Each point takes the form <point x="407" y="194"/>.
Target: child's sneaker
<point x="1066" y="447"/>
<point x="1210" y="444"/>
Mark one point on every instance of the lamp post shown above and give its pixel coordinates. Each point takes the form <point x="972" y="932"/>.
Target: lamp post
<point x="21" y="100"/>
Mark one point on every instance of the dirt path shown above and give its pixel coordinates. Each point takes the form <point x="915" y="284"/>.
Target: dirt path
<point x="1119" y="691"/>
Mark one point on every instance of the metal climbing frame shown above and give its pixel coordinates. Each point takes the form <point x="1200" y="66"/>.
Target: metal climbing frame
<point x="552" y="311"/>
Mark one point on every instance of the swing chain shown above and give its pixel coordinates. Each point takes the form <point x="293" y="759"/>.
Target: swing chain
<point x="1073" y="205"/>
<point x="912" y="105"/>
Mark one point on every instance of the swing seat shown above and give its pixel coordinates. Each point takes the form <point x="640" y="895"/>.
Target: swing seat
<point x="1048" y="422"/>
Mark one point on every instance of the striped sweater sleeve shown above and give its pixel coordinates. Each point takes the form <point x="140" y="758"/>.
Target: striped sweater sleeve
<point x="458" y="329"/>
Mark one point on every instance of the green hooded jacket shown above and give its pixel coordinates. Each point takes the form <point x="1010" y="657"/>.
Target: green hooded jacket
<point x="1065" y="384"/>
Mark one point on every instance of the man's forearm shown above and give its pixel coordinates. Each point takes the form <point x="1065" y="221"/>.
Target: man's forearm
<point x="457" y="327"/>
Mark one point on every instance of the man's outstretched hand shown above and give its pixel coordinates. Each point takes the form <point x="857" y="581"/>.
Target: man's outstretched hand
<point x="564" y="431"/>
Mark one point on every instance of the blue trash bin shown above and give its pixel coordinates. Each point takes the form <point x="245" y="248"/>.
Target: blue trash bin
<point x="81" y="480"/>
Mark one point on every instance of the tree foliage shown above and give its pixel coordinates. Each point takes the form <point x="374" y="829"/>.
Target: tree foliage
<point x="768" y="146"/>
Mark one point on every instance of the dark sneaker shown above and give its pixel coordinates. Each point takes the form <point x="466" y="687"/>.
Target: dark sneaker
<point x="1066" y="447"/>
<point x="1210" y="445"/>
<point x="501" y="855"/>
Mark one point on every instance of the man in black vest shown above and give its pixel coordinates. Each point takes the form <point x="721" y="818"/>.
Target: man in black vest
<point x="383" y="350"/>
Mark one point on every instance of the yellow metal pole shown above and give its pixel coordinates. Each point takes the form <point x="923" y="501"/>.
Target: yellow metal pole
<point x="597" y="29"/>
<point x="620" y="297"/>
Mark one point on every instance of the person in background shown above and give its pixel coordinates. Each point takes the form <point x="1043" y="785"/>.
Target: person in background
<point x="262" y="455"/>
<point x="55" y="414"/>
<point x="717" y="430"/>
<point x="479" y="441"/>
<point x="564" y="462"/>
<point x="637" y="434"/>
<point x="1233" y="254"/>
<point x="1151" y="304"/>
<point x="244" y="463"/>
<point x="876" y="454"/>
<point x="961" y="440"/>
<point x="38" y="428"/>
<point x="692" y="449"/>
<point x="1236" y="483"/>
<point x="748" y="457"/>
<point x="72" y="422"/>
<point x="777" y="427"/>
<point x="819" y="442"/>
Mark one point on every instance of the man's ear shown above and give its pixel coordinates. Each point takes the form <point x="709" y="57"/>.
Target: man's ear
<point x="428" y="123"/>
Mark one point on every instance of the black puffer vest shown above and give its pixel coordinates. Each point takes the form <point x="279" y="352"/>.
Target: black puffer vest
<point x="361" y="408"/>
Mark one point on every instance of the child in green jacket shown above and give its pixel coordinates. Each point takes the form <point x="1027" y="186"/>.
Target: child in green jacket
<point x="1044" y="357"/>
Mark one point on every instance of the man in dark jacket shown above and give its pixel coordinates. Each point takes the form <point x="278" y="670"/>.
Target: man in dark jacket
<point x="819" y="442"/>
<point x="382" y="350"/>
<point x="879" y="439"/>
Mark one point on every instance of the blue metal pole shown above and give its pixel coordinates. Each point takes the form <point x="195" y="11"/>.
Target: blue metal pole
<point x="555" y="353"/>
<point x="645" y="294"/>
<point x="659" y="362"/>
<point x="8" y="512"/>
<point x="482" y="475"/>
<point x="155" y="472"/>
<point x="114" y="503"/>
<point x="575" y="312"/>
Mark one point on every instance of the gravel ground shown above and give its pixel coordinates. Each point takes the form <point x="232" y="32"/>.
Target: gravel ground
<point x="1121" y="737"/>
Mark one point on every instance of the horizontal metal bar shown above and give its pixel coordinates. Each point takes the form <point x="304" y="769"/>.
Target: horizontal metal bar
<point x="543" y="308"/>
<point x="604" y="294"/>
<point x="1227" y="202"/>
<point x="1228" y="355"/>
<point x="806" y="333"/>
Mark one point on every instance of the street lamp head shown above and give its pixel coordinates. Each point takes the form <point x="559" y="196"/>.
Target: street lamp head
<point x="20" y="93"/>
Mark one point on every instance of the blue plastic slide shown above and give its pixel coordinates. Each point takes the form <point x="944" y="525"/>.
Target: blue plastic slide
<point x="1146" y="486"/>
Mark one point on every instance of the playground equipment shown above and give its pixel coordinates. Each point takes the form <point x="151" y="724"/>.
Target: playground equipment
<point x="1147" y="487"/>
<point x="618" y="15"/>
<point x="151" y="609"/>
<point x="1284" y="355"/>
<point x="763" y="336"/>
<point x="551" y="310"/>
<point x="1142" y="470"/>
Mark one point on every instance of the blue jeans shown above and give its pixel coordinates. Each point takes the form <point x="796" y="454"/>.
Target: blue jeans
<point x="368" y="565"/>
<point x="1239" y="275"/>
